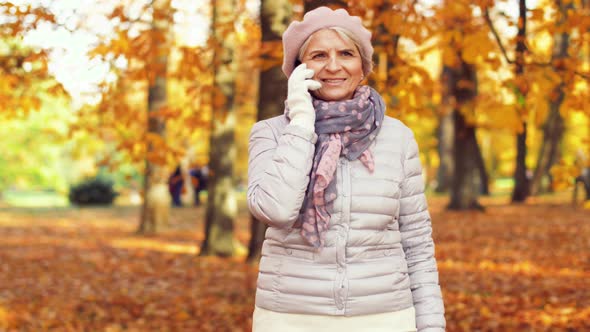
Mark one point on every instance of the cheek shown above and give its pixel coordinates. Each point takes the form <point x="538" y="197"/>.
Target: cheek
<point x="359" y="73"/>
<point x="356" y="69"/>
<point x="315" y="66"/>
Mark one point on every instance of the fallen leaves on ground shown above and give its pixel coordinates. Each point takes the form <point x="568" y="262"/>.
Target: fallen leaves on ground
<point x="511" y="268"/>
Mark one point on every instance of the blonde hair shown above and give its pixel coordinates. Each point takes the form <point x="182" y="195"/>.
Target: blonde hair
<point x="346" y="35"/>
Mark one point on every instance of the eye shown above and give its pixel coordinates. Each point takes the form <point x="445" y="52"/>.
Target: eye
<point x="347" y="53"/>
<point x="318" y="56"/>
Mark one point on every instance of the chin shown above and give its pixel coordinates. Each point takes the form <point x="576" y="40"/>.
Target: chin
<point x="334" y="95"/>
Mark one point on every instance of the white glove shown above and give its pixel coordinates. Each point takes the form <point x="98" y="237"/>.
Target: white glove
<point x="301" y="109"/>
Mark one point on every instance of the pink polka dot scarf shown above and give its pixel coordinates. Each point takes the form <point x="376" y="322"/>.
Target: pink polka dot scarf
<point x="345" y="128"/>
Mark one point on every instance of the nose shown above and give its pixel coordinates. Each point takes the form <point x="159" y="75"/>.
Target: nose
<point x="333" y="64"/>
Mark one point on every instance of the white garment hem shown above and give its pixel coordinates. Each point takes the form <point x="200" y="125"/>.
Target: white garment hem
<point x="398" y="321"/>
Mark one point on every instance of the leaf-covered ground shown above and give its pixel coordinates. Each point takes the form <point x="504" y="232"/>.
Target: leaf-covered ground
<point x="512" y="268"/>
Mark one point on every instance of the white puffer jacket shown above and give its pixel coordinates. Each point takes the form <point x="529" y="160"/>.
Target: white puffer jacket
<point x="379" y="254"/>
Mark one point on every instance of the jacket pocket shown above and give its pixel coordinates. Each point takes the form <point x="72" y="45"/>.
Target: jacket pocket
<point x="293" y="252"/>
<point x="382" y="252"/>
<point x="400" y="280"/>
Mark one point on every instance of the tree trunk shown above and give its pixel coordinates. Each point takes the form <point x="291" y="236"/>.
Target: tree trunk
<point x="466" y="183"/>
<point x="445" y="133"/>
<point x="275" y="16"/>
<point x="461" y="85"/>
<point x="549" y="154"/>
<point x="157" y="98"/>
<point x="520" y="191"/>
<point x="222" y="202"/>
<point x="484" y="180"/>
<point x="554" y="125"/>
<point x="385" y="56"/>
<point x="521" y="186"/>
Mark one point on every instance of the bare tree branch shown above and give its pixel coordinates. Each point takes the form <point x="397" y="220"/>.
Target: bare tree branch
<point x="496" y="36"/>
<point x="505" y="54"/>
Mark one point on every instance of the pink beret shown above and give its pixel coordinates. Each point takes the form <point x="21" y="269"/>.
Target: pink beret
<point x="317" y="19"/>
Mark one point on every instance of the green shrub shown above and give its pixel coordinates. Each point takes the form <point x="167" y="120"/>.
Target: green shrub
<point x="93" y="191"/>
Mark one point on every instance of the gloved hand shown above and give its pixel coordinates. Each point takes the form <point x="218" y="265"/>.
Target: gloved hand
<point x="301" y="111"/>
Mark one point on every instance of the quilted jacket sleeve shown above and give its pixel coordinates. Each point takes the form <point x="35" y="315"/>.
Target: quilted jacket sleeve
<point x="278" y="172"/>
<point x="416" y="231"/>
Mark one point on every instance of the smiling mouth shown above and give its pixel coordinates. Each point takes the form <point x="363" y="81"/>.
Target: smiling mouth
<point x="333" y="81"/>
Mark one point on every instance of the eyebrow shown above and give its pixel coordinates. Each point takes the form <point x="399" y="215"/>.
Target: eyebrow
<point x="322" y="50"/>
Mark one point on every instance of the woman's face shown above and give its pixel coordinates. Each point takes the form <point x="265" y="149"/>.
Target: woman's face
<point x="337" y="65"/>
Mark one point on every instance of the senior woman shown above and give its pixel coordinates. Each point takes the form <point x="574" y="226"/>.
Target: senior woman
<point x="349" y="244"/>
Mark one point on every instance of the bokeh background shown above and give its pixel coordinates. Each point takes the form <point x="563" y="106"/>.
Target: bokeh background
<point x="124" y="144"/>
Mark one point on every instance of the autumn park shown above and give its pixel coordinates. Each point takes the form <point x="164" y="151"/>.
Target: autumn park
<point x="124" y="131"/>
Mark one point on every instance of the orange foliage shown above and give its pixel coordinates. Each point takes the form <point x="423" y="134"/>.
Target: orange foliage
<point x="123" y="105"/>
<point x="24" y="75"/>
<point x="406" y="34"/>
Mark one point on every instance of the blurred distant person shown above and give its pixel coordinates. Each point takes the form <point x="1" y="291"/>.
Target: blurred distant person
<point x="198" y="181"/>
<point x="349" y="244"/>
<point x="201" y="176"/>
<point x="175" y="184"/>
